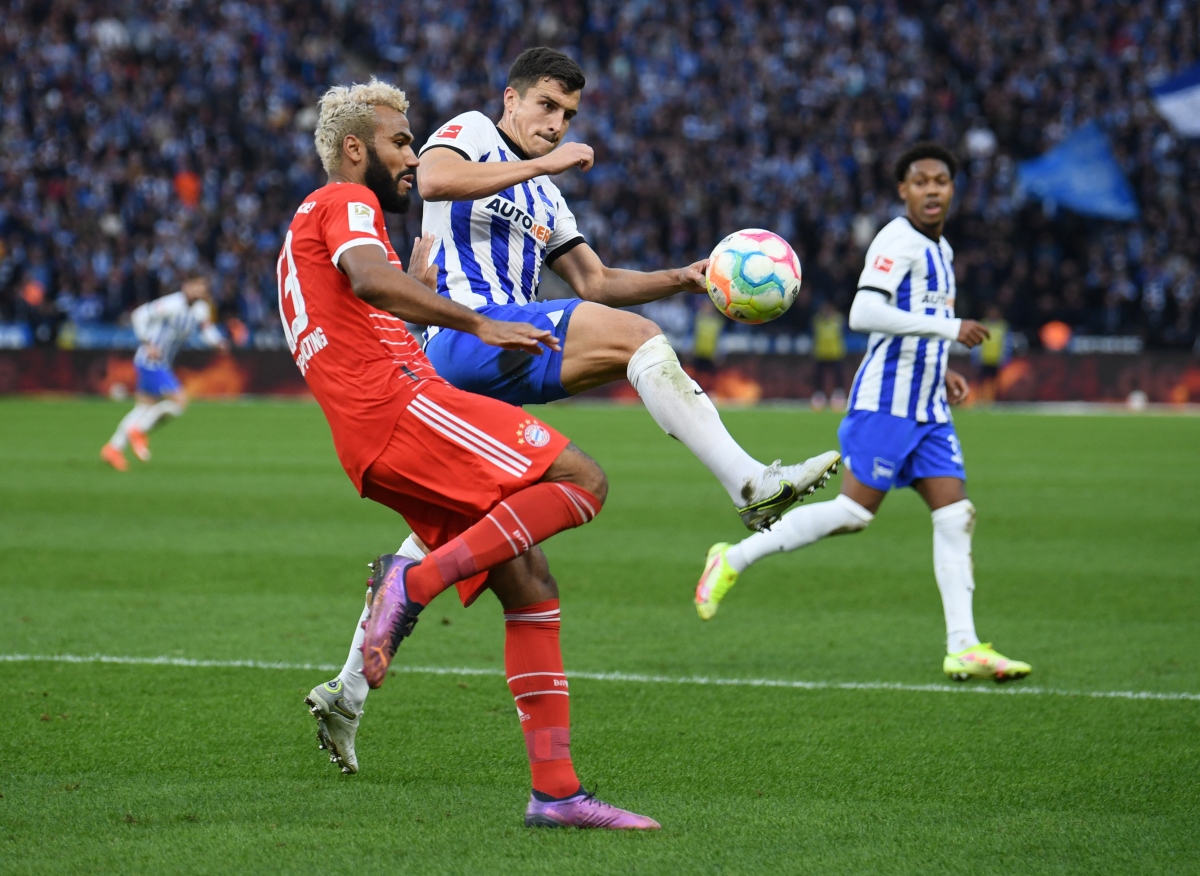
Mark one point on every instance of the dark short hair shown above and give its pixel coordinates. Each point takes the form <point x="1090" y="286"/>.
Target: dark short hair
<point x="534" y="65"/>
<point x="925" y="150"/>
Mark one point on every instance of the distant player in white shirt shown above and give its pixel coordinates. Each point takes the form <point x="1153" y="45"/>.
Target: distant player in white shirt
<point x="162" y="327"/>
<point x="497" y="217"/>
<point x="898" y="431"/>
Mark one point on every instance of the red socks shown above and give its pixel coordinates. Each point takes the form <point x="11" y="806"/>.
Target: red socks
<point x="514" y="526"/>
<point x="533" y="663"/>
<point x="532" y="657"/>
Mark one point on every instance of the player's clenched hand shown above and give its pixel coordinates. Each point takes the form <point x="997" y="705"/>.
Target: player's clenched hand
<point x="691" y="278"/>
<point x="517" y="336"/>
<point x="567" y="156"/>
<point x="972" y="333"/>
<point x="419" y="266"/>
<point x="957" y="387"/>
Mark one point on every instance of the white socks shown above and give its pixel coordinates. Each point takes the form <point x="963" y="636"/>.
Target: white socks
<point x="952" y="566"/>
<point x="955" y="572"/>
<point x="164" y="408"/>
<point x="684" y="411"/>
<point x="120" y="437"/>
<point x="353" y="680"/>
<point x="799" y="527"/>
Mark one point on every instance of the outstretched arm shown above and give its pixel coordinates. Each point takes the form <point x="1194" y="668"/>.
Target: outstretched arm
<point x="445" y="175"/>
<point x="871" y="312"/>
<point x="381" y="284"/>
<point x="212" y="337"/>
<point x="592" y="280"/>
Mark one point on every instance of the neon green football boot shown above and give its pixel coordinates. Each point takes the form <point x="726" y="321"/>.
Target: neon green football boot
<point x="984" y="661"/>
<point x="718" y="577"/>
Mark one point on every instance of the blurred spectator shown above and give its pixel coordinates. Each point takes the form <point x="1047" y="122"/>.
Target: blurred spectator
<point x="137" y="140"/>
<point x="992" y="354"/>
<point x="829" y="349"/>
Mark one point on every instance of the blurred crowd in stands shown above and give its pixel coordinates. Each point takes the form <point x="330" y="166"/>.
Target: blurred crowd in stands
<point x="140" y="141"/>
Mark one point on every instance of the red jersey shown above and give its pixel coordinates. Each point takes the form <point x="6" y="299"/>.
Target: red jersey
<point x="361" y="363"/>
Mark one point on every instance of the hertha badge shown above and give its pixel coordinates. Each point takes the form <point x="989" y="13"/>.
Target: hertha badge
<point x="533" y="433"/>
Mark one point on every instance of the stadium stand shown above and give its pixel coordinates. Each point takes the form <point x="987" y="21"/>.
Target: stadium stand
<point x="139" y="140"/>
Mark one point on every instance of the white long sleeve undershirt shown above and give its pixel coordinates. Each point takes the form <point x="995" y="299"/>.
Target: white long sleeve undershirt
<point x="139" y="320"/>
<point x="871" y="312"/>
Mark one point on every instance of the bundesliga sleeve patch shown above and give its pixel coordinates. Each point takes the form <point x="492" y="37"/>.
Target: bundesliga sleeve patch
<point x="361" y="217"/>
<point x="883" y="264"/>
<point x="450" y="132"/>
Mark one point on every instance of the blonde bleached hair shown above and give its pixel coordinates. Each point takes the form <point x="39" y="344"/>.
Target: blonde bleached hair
<point x="345" y="110"/>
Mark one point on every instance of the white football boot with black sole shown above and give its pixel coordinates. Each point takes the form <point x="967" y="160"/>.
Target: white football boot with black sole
<point x="779" y="487"/>
<point x="337" y="723"/>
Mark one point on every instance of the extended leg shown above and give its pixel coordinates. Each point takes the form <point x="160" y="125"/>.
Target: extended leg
<point x="169" y="406"/>
<point x="604" y="344"/>
<point x="570" y="493"/>
<point x="852" y="511"/>
<point x="121" y="437"/>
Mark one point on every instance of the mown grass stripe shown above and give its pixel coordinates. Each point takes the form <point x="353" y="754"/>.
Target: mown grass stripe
<point x="633" y="678"/>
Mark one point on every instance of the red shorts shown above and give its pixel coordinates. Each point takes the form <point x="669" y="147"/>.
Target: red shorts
<point x="453" y="457"/>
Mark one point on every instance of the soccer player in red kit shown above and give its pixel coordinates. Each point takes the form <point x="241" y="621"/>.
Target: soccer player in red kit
<point x="480" y="482"/>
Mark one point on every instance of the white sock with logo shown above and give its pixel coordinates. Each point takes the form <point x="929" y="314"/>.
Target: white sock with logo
<point x="684" y="411"/>
<point x="799" y="527"/>
<point x="955" y="572"/>
<point x="120" y="437"/>
<point x="353" y="680"/>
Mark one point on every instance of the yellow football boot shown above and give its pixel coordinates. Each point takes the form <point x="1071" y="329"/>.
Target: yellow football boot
<point x="982" y="661"/>
<point x="718" y="577"/>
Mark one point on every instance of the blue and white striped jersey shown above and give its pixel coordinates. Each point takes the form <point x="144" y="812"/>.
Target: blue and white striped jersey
<point x="905" y="375"/>
<point x="491" y="251"/>
<point x="164" y="325"/>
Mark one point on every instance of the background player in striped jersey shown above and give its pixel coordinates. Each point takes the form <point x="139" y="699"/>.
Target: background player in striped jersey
<point x="162" y="327"/>
<point x="898" y="431"/>
<point x="497" y="218"/>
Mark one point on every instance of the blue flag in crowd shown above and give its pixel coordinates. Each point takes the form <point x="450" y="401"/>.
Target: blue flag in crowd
<point x="1178" y="100"/>
<point x="1081" y="174"/>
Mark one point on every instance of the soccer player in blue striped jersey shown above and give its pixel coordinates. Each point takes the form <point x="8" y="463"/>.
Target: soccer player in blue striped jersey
<point x="898" y="431"/>
<point x="496" y="218"/>
<point x="162" y="327"/>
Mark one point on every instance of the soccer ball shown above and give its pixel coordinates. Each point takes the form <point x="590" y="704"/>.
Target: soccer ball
<point x="753" y="276"/>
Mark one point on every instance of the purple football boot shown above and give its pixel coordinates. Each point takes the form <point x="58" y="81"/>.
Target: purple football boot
<point x="392" y="615"/>
<point x="584" y="810"/>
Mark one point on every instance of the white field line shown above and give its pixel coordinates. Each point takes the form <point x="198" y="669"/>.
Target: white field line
<point x="633" y="678"/>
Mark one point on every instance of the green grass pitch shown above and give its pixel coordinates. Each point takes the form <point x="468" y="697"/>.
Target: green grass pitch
<point x="243" y="540"/>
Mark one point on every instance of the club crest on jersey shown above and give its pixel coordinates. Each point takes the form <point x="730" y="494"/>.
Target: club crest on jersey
<point x="361" y="217"/>
<point x="533" y="433"/>
<point x="883" y="264"/>
<point x="506" y="209"/>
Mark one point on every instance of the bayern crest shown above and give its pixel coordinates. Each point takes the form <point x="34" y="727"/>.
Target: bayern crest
<point x="533" y="433"/>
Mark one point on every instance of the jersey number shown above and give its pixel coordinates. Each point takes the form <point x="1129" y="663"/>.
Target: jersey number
<point x="289" y="287"/>
<point x="955" y="449"/>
